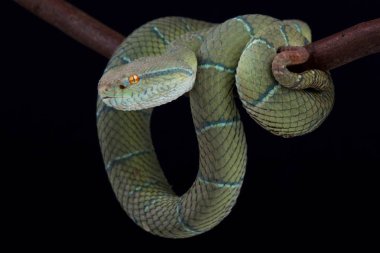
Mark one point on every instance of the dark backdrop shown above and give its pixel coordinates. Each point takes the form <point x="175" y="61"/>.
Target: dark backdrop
<point x="319" y="188"/>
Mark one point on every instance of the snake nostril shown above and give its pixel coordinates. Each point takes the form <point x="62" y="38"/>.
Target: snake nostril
<point x="103" y="88"/>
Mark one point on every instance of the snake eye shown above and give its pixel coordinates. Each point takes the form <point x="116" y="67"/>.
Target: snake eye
<point x="134" y="79"/>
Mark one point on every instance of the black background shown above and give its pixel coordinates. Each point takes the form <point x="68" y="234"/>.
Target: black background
<point x="321" y="188"/>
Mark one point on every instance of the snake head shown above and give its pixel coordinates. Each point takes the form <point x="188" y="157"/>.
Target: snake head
<point x="146" y="82"/>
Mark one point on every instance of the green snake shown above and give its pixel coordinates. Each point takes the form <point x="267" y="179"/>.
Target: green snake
<point x="168" y="57"/>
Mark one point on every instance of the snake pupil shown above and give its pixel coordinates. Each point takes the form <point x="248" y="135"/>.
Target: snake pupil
<point x="133" y="79"/>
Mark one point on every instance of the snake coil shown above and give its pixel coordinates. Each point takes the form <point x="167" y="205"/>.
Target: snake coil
<point x="169" y="56"/>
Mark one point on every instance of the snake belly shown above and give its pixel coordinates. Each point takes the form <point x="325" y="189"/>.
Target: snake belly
<point x="239" y="50"/>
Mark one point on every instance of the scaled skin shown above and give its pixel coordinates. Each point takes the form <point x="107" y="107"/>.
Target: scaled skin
<point x="170" y="56"/>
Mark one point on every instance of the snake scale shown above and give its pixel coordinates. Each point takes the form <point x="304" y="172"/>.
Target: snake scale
<point x="169" y="56"/>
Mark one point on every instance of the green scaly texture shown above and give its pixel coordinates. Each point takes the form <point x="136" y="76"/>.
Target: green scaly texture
<point x="239" y="50"/>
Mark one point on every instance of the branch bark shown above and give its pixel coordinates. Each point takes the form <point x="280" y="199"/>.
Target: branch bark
<point x="326" y="54"/>
<point x="76" y="24"/>
<point x="338" y="49"/>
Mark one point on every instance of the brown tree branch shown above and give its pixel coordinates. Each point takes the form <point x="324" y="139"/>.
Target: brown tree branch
<point x="326" y="54"/>
<point x="76" y="24"/>
<point x="335" y="50"/>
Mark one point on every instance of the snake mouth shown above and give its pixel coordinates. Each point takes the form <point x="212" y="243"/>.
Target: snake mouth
<point x="110" y="101"/>
<point x="109" y="98"/>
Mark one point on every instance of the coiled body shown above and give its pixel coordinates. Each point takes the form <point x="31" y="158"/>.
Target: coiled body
<point x="239" y="51"/>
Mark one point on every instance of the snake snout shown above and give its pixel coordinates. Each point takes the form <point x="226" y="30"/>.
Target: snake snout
<point x="107" y="87"/>
<point x="104" y="90"/>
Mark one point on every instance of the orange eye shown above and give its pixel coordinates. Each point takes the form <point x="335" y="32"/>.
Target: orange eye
<point x="133" y="79"/>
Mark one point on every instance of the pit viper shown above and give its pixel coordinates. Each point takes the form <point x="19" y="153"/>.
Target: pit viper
<point x="170" y="56"/>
